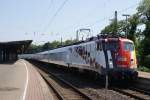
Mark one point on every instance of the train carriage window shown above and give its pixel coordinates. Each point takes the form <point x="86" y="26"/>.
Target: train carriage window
<point x="94" y="46"/>
<point x="88" y="47"/>
<point x="98" y="45"/>
<point x="91" y="47"/>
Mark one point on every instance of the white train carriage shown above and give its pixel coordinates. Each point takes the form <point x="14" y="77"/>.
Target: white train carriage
<point x="84" y="55"/>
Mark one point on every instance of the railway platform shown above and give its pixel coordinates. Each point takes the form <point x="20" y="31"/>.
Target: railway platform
<point x="21" y="81"/>
<point x="144" y="74"/>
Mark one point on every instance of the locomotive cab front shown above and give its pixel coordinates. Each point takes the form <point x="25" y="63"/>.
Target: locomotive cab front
<point x="125" y="60"/>
<point x="126" y="55"/>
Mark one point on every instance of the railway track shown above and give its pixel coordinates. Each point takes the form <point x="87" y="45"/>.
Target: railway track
<point x="63" y="89"/>
<point x="146" y="92"/>
<point x="134" y="93"/>
<point x="87" y="94"/>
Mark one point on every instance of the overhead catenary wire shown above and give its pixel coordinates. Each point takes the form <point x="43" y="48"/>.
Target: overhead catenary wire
<point x="49" y="8"/>
<point x="100" y="20"/>
<point x="108" y="17"/>
<point x="51" y="3"/>
<point x="86" y="24"/>
<point x="54" y="16"/>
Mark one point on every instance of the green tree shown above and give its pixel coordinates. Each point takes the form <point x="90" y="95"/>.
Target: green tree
<point x="67" y="42"/>
<point x="46" y="46"/>
<point x="121" y="25"/>
<point x="55" y="44"/>
<point x="33" y="49"/>
<point x="144" y="12"/>
<point x="108" y="29"/>
<point x="132" y="27"/>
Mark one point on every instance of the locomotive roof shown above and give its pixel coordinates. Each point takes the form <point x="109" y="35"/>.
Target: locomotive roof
<point x="127" y="40"/>
<point x="92" y="39"/>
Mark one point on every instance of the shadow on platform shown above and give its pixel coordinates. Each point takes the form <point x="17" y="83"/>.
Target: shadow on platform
<point x="8" y="62"/>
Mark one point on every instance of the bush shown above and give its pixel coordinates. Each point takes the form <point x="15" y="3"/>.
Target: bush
<point x="144" y="69"/>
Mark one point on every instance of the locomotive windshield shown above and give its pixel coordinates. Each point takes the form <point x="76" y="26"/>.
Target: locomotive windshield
<point x="128" y="46"/>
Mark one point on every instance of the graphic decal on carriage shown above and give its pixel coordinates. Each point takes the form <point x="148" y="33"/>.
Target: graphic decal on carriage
<point x="86" y="56"/>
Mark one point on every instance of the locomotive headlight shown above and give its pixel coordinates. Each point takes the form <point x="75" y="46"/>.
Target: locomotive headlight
<point x="121" y="58"/>
<point x="110" y="63"/>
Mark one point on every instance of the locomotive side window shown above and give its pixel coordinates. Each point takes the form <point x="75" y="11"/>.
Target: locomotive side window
<point x="99" y="45"/>
<point x="112" y="45"/>
<point x="128" y="46"/>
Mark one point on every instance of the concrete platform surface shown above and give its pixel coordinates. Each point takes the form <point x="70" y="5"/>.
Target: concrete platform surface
<point x="21" y="81"/>
<point x="144" y="74"/>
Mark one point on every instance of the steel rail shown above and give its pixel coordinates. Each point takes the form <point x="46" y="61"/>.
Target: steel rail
<point x="57" y="79"/>
<point x="132" y="93"/>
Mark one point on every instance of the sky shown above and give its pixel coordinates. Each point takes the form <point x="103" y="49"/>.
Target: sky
<point x="49" y="20"/>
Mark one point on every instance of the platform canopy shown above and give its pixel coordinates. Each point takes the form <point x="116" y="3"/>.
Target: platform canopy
<point x="10" y="50"/>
